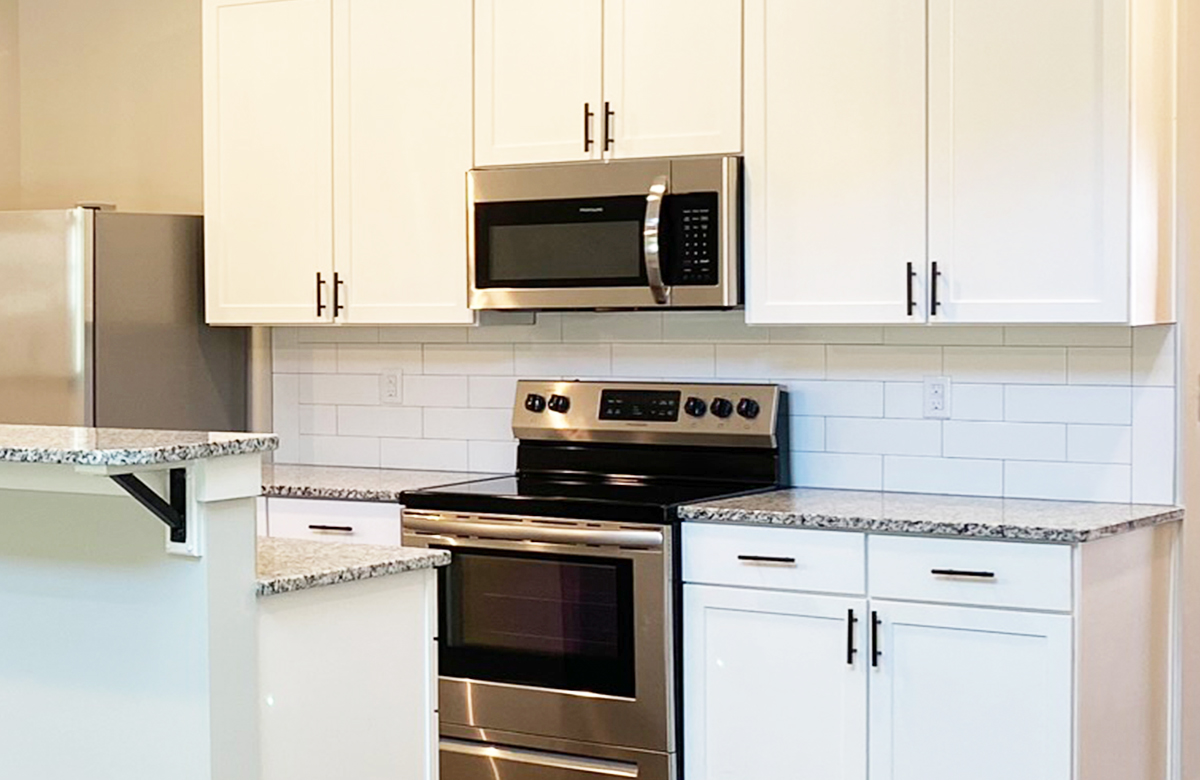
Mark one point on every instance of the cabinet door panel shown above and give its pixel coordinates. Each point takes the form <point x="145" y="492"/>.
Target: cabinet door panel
<point x="267" y="160"/>
<point x="537" y="62"/>
<point x="976" y="693"/>
<point x="835" y="160"/>
<point x="673" y="76"/>
<point x="402" y="141"/>
<point x="1028" y="160"/>
<point x="768" y="691"/>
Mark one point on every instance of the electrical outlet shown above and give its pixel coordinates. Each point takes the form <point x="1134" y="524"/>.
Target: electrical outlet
<point x="389" y="387"/>
<point x="937" y="397"/>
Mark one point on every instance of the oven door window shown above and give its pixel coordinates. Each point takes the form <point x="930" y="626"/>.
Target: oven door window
<point x="593" y="242"/>
<point x="550" y="621"/>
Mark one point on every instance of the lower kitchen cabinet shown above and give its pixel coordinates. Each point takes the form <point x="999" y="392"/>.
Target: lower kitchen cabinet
<point x="320" y="520"/>
<point x="775" y="685"/>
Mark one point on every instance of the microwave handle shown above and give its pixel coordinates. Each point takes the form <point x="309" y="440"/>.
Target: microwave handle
<point x="650" y="242"/>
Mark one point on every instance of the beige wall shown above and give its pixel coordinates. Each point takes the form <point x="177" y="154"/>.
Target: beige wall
<point x="110" y="103"/>
<point x="10" y="123"/>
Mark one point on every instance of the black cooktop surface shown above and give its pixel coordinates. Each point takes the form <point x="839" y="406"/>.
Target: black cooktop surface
<point x="577" y="498"/>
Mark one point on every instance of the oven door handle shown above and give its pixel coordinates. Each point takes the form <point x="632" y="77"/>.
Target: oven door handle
<point x="652" y="248"/>
<point x="525" y="532"/>
<point x="586" y="766"/>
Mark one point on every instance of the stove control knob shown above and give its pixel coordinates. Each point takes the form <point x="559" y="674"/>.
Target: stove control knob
<point x="535" y="403"/>
<point x="722" y="407"/>
<point x="695" y="407"/>
<point x="559" y="403"/>
<point x="748" y="408"/>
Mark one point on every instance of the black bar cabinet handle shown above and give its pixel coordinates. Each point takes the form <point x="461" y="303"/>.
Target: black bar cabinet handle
<point x="912" y="302"/>
<point x="337" y="283"/>
<point x="875" y="639"/>
<point x="346" y="529"/>
<point x="934" y="275"/>
<point x="979" y="575"/>
<point x="765" y="559"/>
<point x="608" y="115"/>
<point x="587" y="127"/>
<point x="851" y="650"/>
<point x="320" y="284"/>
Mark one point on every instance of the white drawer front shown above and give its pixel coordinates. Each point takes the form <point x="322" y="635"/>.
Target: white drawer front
<point x="334" y="521"/>
<point x="779" y="558"/>
<point x="968" y="571"/>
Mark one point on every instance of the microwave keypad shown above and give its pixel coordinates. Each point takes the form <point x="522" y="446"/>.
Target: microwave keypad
<point x="695" y="251"/>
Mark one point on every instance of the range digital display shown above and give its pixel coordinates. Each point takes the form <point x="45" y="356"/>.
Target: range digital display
<point x="646" y="405"/>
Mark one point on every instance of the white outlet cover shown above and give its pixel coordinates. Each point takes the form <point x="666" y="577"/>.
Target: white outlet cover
<point x="390" y="387"/>
<point x="936" y="402"/>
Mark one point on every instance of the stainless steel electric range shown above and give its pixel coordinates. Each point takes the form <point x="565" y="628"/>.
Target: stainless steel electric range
<point x="559" y="614"/>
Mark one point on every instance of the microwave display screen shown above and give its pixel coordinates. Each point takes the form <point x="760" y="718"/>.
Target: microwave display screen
<point x="566" y="252"/>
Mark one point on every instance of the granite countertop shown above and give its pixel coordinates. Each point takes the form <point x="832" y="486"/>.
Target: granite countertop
<point x="289" y="565"/>
<point x="906" y="513"/>
<point x="351" y="484"/>
<point x="121" y="446"/>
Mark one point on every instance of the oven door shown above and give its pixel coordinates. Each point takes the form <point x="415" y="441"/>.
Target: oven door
<point x="556" y="628"/>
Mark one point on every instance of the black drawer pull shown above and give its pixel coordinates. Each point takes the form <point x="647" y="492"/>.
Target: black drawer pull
<point x="767" y="559"/>
<point x="851" y="650"/>
<point x="979" y="575"/>
<point x="875" y="652"/>
<point x="345" y="529"/>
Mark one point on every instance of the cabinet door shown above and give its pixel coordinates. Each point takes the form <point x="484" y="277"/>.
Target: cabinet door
<point x="976" y="693"/>
<point x="268" y="167"/>
<point x="1028" y="160"/>
<point x="673" y="77"/>
<point x="402" y="141"/>
<point x="768" y="691"/>
<point x="537" y="80"/>
<point x="835" y="160"/>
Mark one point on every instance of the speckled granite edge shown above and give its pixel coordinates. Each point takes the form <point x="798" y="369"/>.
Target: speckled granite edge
<point x="117" y="447"/>
<point x="295" y="565"/>
<point x="331" y="494"/>
<point x="354" y="484"/>
<point x="1028" y="533"/>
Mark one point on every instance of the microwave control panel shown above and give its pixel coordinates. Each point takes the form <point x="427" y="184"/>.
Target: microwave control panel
<point x="694" y="250"/>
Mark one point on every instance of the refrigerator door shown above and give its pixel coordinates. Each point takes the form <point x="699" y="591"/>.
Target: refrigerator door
<point x="46" y="317"/>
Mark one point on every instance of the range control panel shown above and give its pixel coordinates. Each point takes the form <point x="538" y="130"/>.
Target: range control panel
<point x="644" y="412"/>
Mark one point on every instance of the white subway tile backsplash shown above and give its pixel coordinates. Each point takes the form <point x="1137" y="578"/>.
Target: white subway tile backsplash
<point x="607" y="327"/>
<point x="1154" y="438"/>
<point x="1099" y="366"/>
<point x="416" y="334"/>
<point x="1154" y="356"/>
<point x="547" y="327"/>
<point x="1070" y="404"/>
<point x="1067" y="481"/>
<point x="320" y="420"/>
<point x="944" y="335"/>
<point x="904" y="399"/>
<point x="397" y="421"/>
<point x="883" y="436"/>
<point x="951" y="476"/>
<point x="548" y="361"/>
<point x="495" y="457"/>
<point x="807" y="434"/>
<point x="340" y="451"/>
<point x="678" y="361"/>
<point x="377" y="358"/>
<point x="469" y="359"/>
<point x="305" y="358"/>
<point x="285" y="409"/>
<point x="1005" y="441"/>
<point x="1068" y="336"/>
<point x="470" y="424"/>
<point x="776" y="361"/>
<point x="491" y="392"/>
<point x="899" y="363"/>
<point x="1100" y="443"/>
<point x="837" y="470"/>
<point x="825" y="334"/>
<point x="1007" y="365"/>
<point x="709" y="327"/>
<point x="976" y="402"/>
<point x="326" y="334"/>
<point x="359" y="389"/>
<point x="835" y="399"/>
<point x="424" y="454"/>
<point x="436" y="391"/>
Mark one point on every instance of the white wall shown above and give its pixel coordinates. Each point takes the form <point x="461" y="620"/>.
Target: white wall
<point x="1055" y="412"/>
<point x="110" y="103"/>
<point x="10" y="101"/>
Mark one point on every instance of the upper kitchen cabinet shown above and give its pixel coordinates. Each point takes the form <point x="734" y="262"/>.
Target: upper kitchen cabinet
<point x="570" y="80"/>
<point x="337" y="140"/>
<point x="1043" y="193"/>
<point x="268" y="172"/>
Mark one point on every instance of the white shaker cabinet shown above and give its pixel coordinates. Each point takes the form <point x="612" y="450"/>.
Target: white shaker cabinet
<point x="774" y="685"/>
<point x="835" y="160"/>
<point x="337" y="141"/>
<point x="572" y="80"/>
<point x="1030" y="140"/>
<point x="268" y="170"/>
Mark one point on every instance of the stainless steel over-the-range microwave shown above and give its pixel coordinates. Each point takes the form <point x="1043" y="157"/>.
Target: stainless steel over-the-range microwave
<point x="630" y="234"/>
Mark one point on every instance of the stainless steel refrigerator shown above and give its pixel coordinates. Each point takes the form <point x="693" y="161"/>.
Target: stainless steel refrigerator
<point x="102" y="323"/>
